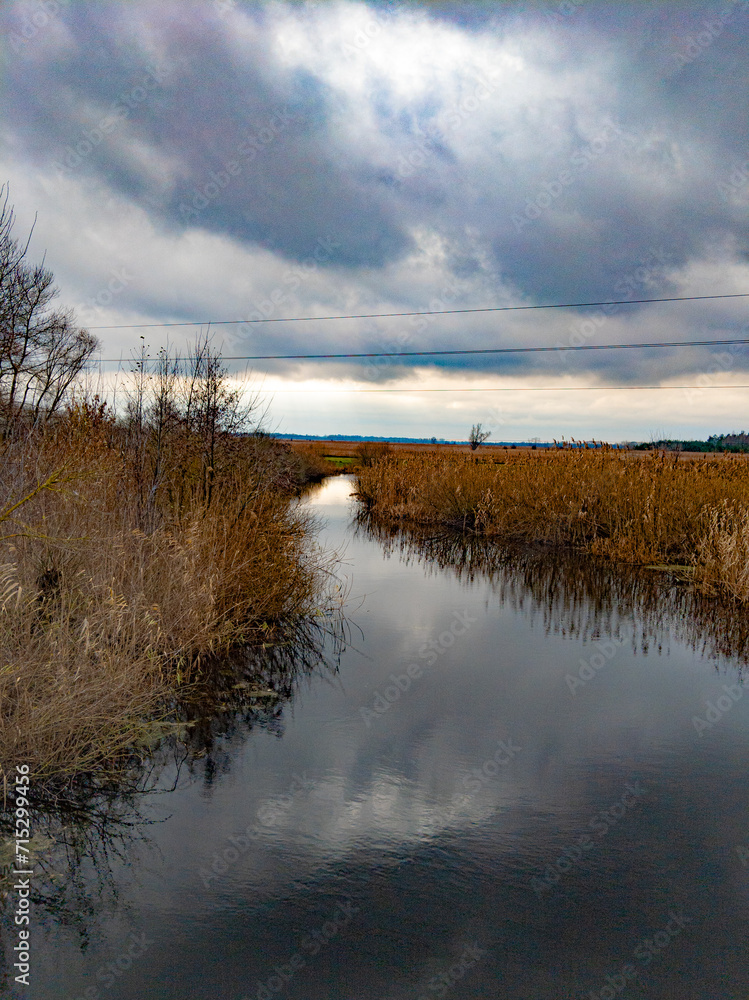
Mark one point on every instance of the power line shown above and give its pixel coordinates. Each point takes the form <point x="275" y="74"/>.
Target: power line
<point x="524" y="388"/>
<point x="466" y="351"/>
<point x="428" y="312"/>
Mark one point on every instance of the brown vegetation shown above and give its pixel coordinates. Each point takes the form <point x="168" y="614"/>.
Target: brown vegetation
<point x="130" y="552"/>
<point x="314" y="460"/>
<point x="132" y="548"/>
<point x="651" y="510"/>
<point x="369" y="453"/>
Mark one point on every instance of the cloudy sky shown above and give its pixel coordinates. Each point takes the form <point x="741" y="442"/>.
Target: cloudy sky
<point x="236" y="160"/>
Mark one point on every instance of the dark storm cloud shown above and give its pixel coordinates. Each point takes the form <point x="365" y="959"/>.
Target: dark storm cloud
<point x="603" y="181"/>
<point x="250" y="141"/>
<point x="576" y="222"/>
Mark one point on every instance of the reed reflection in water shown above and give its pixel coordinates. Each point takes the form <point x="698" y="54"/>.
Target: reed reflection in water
<point x="577" y="595"/>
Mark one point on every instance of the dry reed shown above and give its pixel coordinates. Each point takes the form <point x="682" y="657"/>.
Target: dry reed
<point x="642" y="510"/>
<point x="111" y="596"/>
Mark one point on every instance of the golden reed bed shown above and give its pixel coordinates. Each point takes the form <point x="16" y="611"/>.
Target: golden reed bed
<point x="652" y="509"/>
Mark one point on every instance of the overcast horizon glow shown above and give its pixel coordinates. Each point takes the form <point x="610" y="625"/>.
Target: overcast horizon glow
<point x="227" y="159"/>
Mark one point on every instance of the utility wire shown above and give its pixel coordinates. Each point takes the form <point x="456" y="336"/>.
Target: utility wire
<point x="524" y="388"/>
<point x="429" y="312"/>
<point x="466" y="351"/>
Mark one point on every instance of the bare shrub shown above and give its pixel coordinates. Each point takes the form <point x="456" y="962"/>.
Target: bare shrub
<point x="107" y="607"/>
<point x="478" y="436"/>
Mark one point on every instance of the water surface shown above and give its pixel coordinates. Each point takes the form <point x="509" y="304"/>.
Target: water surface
<point x="510" y="785"/>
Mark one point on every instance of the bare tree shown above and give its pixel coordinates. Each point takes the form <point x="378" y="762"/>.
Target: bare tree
<point x="183" y="419"/>
<point x="215" y="408"/>
<point x="42" y="351"/>
<point x="477" y="436"/>
<point x="152" y="425"/>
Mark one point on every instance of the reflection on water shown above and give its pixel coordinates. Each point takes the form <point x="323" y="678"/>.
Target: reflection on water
<point x="577" y="595"/>
<point x="445" y="813"/>
<point x="82" y="839"/>
<point x="252" y="690"/>
<point x="84" y="829"/>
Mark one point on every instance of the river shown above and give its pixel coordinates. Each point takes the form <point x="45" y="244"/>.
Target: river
<point x="519" y="779"/>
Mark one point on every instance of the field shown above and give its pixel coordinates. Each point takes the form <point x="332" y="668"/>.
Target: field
<point x="641" y="508"/>
<point x="351" y="449"/>
<point x="335" y="450"/>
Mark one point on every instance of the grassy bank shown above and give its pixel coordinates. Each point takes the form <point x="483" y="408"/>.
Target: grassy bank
<point x="335" y="457"/>
<point x="130" y="554"/>
<point x="653" y="510"/>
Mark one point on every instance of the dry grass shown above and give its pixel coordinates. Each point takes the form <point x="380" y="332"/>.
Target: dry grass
<point x="108" y="604"/>
<point x="313" y="460"/>
<point x="723" y="557"/>
<point x="369" y="453"/>
<point x="654" y="510"/>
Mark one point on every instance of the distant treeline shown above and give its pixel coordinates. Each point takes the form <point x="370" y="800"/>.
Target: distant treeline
<point x="716" y="442"/>
<point x="399" y="440"/>
<point x="360" y="437"/>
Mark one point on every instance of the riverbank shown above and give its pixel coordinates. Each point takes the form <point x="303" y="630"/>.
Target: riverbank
<point x="647" y="511"/>
<point x="128" y="562"/>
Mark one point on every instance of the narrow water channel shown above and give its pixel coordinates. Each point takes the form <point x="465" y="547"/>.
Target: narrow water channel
<point x="507" y="786"/>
